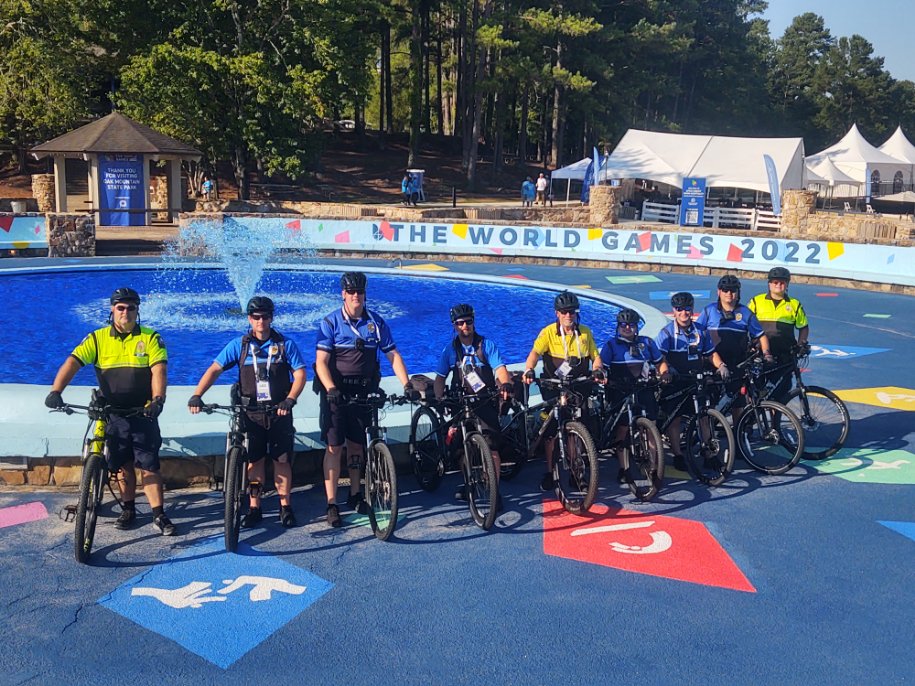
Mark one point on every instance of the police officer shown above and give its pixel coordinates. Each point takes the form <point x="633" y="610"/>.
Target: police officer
<point x="476" y="368"/>
<point x="349" y="346"/>
<point x="271" y="375"/>
<point x="687" y="348"/>
<point x="130" y="362"/>
<point x="627" y="356"/>
<point x="780" y="315"/>
<point x="568" y="349"/>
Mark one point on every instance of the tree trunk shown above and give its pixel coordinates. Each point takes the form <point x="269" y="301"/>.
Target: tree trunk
<point x="382" y="75"/>
<point x="427" y="74"/>
<point x="439" y="113"/>
<point x="388" y="86"/>
<point x="557" y="110"/>
<point x="240" y="166"/>
<point x="416" y="83"/>
<point x="477" y="101"/>
<point x="522" y="127"/>
<point x="469" y="95"/>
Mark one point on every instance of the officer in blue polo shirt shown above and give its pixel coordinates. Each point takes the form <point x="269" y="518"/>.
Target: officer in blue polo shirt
<point x="687" y="347"/>
<point x="271" y="373"/>
<point x="350" y="343"/>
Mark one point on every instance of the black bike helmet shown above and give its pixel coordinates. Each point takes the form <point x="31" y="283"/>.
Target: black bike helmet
<point x="352" y="281"/>
<point x="628" y="316"/>
<point x="566" y="301"/>
<point x="125" y="295"/>
<point x="260" y="303"/>
<point x="729" y="282"/>
<point x="462" y="311"/>
<point x="683" y="300"/>
<point x="780" y="273"/>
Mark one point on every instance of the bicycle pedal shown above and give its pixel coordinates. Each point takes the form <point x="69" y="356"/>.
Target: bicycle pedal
<point x="67" y="513"/>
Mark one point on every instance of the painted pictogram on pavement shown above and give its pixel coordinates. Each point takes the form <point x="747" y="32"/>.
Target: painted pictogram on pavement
<point x="907" y="529"/>
<point x="887" y="396"/>
<point x="216" y="604"/>
<point x="657" y="545"/>
<point x="870" y="466"/>
<point x="842" y="352"/>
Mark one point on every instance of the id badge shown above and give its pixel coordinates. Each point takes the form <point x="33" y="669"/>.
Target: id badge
<point x="263" y="391"/>
<point x="564" y="370"/>
<point x="476" y="383"/>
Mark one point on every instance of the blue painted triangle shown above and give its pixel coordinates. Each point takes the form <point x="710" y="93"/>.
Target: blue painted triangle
<point x="905" y="528"/>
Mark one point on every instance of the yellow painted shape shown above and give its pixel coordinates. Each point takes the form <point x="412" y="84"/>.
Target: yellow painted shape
<point x="581" y="285"/>
<point x="888" y="396"/>
<point x="459" y="230"/>
<point x="835" y="250"/>
<point x="426" y="267"/>
<point x="595" y="234"/>
<point x="21" y="245"/>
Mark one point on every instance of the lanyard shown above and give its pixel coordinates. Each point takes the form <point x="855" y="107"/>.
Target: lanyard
<point x="254" y="359"/>
<point x="349" y="323"/>
<point x="565" y="346"/>
<point x="697" y="338"/>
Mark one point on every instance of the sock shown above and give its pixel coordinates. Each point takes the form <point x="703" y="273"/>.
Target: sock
<point x="129" y="504"/>
<point x="158" y="511"/>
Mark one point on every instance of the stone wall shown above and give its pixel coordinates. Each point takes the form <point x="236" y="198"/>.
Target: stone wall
<point x="71" y="235"/>
<point x="43" y="192"/>
<point x="605" y="206"/>
<point x="800" y="219"/>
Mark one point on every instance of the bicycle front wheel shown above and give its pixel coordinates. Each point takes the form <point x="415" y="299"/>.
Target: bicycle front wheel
<point x="480" y="474"/>
<point x="381" y="490"/>
<point x="770" y="437"/>
<point x="575" y="468"/>
<point x="645" y="471"/>
<point x="90" y="500"/>
<point x="709" y="447"/>
<point x="234" y="495"/>
<point x="427" y="448"/>
<point x="824" y="418"/>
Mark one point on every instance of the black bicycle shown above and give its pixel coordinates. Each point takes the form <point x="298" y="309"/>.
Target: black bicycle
<point x="96" y="472"/>
<point x="379" y="471"/>
<point x="641" y="451"/>
<point x="706" y="438"/>
<point x="822" y="413"/>
<point x="439" y="444"/>
<point x="575" y="468"/>
<point x="769" y="435"/>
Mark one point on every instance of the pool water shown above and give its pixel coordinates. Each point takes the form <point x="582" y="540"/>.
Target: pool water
<point x="197" y="313"/>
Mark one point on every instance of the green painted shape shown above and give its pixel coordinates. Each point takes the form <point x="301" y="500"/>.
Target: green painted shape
<point x="356" y="519"/>
<point x="869" y="466"/>
<point x="320" y="227"/>
<point x="648" y="278"/>
<point x="878" y="316"/>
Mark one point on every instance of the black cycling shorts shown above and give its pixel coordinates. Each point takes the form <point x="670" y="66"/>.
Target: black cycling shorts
<point x="269" y="435"/>
<point x="133" y="440"/>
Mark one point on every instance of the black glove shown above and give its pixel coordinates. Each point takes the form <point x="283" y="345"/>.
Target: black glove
<point x="409" y="392"/>
<point x="768" y="359"/>
<point x="803" y="349"/>
<point x="195" y="401"/>
<point x="286" y="404"/>
<point x="508" y="388"/>
<point x="54" y="400"/>
<point x="529" y="374"/>
<point x="598" y="375"/>
<point x="666" y="377"/>
<point x="334" y="395"/>
<point x="154" y="407"/>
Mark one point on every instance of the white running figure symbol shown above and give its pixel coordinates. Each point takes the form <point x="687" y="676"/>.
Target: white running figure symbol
<point x="196" y="593"/>
<point x="660" y="540"/>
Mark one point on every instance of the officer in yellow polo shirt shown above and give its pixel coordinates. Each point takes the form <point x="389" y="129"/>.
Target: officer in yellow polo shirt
<point x="568" y="349"/>
<point x="780" y="315"/>
<point x="130" y="362"/>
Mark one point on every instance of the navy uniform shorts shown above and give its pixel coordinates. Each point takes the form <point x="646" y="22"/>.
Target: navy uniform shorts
<point x="133" y="440"/>
<point x="269" y="435"/>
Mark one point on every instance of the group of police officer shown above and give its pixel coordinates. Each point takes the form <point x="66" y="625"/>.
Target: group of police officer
<point x="130" y="361"/>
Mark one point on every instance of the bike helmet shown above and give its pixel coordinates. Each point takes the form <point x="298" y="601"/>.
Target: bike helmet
<point x="628" y="316"/>
<point x="125" y="295"/>
<point x="729" y="282"/>
<point x="352" y="281"/>
<point x="566" y="301"/>
<point x="462" y="311"/>
<point x="779" y="273"/>
<point x="260" y="303"/>
<point x="682" y="300"/>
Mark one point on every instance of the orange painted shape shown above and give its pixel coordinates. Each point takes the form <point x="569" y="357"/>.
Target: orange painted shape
<point x="656" y="545"/>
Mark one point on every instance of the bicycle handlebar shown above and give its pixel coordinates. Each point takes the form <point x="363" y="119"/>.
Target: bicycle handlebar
<point x="105" y="410"/>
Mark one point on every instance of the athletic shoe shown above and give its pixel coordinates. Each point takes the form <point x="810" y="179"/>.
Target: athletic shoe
<point x="126" y="519"/>
<point x="547" y="483"/>
<point x="164" y="525"/>
<point x="461" y="493"/>
<point x="333" y="516"/>
<point x="253" y="518"/>
<point x="287" y="516"/>
<point x="680" y="463"/>
<point x="621" y="476"/>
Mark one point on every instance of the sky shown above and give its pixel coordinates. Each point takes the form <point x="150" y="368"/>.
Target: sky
<point x="889" y="25"/>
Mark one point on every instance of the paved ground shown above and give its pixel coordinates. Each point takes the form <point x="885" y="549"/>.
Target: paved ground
<point x="804" y="578"/>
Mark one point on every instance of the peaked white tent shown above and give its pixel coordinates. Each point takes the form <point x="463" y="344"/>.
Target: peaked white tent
<point x="899" y="146"/>
<point x="575" y="171"/>
<point x="862" y="162"/>
<point x="724" y="161"/>
<point x="826" y="173"/>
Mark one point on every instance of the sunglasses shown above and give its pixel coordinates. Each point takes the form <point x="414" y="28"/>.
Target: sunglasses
<point x="628" y="325"/>
<point x="125" y="308"/>
<point x="354" y="291"/>
<point x="258" y="317"/>
<point x="567" y="311"/>
<point x="463" y="322"/>
<point x="683" y="309"/>
<point x="728" y="290"/>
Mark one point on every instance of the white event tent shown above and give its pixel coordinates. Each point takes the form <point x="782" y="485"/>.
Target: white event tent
<point x="572" y="172"/>
<point x="826" y="173"/>
<point x="724" y="161"/>
<point x="863" y="162"/>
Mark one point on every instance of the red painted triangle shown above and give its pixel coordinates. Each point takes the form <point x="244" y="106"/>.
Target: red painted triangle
<point x="516" y="276"/>
<point x="735" y="253"/>
<point x="644" y="241"/>
<point x="386" y="230"/>
<point x="295" y="225"/>
<point x="6" y="223"/>
<point x="656" y="545"/>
